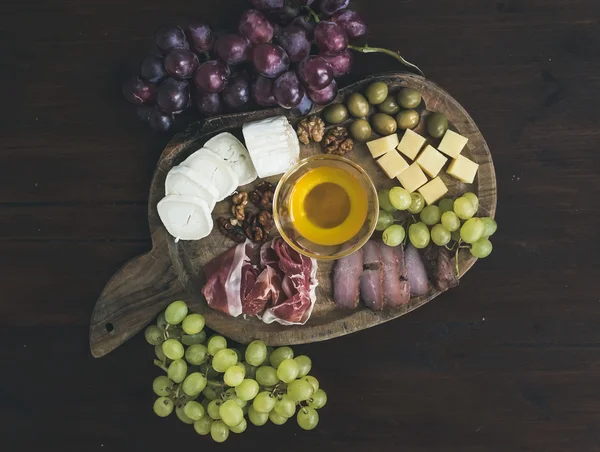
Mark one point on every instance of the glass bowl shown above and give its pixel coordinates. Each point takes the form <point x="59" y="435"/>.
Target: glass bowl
<point x="285" y="225"/>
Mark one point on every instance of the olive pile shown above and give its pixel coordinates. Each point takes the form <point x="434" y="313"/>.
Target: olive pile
<point x="391" y="112"/>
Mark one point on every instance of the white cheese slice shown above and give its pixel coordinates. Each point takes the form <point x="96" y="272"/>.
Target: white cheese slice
<point x="213" y="169"/>
<point x="185" y="217"/>
<point x="182" y="180"/>
<point x="235" y="155"/>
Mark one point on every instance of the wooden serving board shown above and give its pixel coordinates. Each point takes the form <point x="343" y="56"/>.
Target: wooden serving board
<point x="170" y="271"/>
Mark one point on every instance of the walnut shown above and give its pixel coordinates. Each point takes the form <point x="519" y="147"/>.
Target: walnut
<point x="265" y="219"/>
<point x="311" y="128"/>
<point x="266" y="202"/>
<point x="229" y="227"/>
<point x="337" y="141"/>
<point x="239" y="205"/>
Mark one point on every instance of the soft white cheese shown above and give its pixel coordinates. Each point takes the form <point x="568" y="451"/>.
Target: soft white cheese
<point x="182" y="180"/>
<point x="233" y="152"/>
<point x="185" y="217"/>
<point x="213" y="169"/>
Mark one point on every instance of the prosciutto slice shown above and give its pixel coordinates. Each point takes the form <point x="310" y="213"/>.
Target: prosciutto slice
<point x="396" y="290"/>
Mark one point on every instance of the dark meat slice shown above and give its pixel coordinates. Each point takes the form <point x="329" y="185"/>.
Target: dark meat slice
<point x="396" y="292"/>
<point x="371" y="281"/>
<point x="440" y="265"/>
<point x="346" y="280"/>
<point x="265" y="291"/>
<point x="415" y="271"/>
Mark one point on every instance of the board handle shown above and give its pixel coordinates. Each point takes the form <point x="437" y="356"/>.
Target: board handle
<point x="131" y="299"/>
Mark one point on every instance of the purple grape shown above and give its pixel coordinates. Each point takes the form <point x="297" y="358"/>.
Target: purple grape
<point x="267" y="4"/>
<point x="173" y="95"/>
<point x="293" y="40"/>
<point x="169" y="37"/>
<point x="159" y="120"/>
<point x="315" y="72"/>
<point x="211" y="77"/>
<point x="237" y="92"/>
<point x="341" y="64"/>
<point x="232" y="49"/>
<point x="262" y="91"/>
<point x="256" y="27"/>
<point x="143" y="113"/>
<point x="288" y="90"/>
<point x="270" y="60"/>
<point x="329" y="7"/>
<point x="138" y="91"/>
<point x="307" y="24"/>
<point x="330" y="38"/>
<point x="286" y="14"/>
<point x="303" y="108"/>
<point x="181" y="63"/>
<point x="153" y="69"/>
<point x="324" y="96"/>
<point x="200" y="36"/>
<point x="352" y="23"/>
<point x="208" y="104"/>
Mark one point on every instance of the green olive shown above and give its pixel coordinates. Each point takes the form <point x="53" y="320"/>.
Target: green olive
<point x="407" y="119"/>
<point x="360" y="130"/>
<point x="383" y="124"/>
<point x="376" y="93"/>
<point x="358" y="106"/>
<point x="335" y="113"/>
<point x="389" y="106"/>
<point x="409" y="98"/>
<point x="437" y="124"/>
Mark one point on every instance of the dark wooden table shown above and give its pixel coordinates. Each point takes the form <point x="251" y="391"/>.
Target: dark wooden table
<point x="509" y="361"/>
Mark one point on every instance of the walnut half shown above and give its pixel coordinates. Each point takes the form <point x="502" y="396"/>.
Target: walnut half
<point x="310" y="129"/>
<point x="337" y="141"/>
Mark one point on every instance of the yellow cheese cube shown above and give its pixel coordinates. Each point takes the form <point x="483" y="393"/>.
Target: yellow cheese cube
<point x="392" y="163"/>
<point x="410" y="144"/>
<point x="452" y="144"/>
<point x="380" y="146"/>
<point x="434" y="190"/>
<point x="431" y="161"/>
<point x="463" y="169"/>
<point x="412" y="178"/>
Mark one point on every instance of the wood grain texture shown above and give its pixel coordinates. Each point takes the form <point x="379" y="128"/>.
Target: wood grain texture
<point x="508" y="361"/>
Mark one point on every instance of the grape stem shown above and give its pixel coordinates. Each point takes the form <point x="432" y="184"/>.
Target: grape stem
<point x="456" y="258"/>
<point x="312" y="14"/>
<point x="396" y="55"/>
<point x="160" y="364"/>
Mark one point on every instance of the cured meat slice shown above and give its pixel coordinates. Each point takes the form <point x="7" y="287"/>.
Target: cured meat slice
<point x="371" y="280"/>
<point x="394" y="289"/>
<point x="416" y="273"/>
<point x="440" y="266"/>
<point x="346" y="280"/>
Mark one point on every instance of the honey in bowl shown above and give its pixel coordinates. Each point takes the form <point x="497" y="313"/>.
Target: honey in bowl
<point x="328" y="205"/>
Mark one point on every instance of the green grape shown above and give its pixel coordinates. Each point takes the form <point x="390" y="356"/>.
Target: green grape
<point x="400" y="198"/>
<point x="245" y="408"/>
<point x="193" y="410"/>
<point x="263" y="402"/>
<point x="280" y="354"/>
<point x="176" y="312"/>
<point x="384" y="200"/>
<point x="258" y="419"/>
<point x="247" y="389"/>
<point x="224" y="359"/>
<point x="267" y="376"/>
<point x="455" y="235"/>
<point x="464" y="208"/>
<point x="196" y="354"/>
<point x="481" y="248"/>
<point x="219" y="432"/>
<point x="472" y="230"/>
<point x="450" y="221"/>
<point x="194" y="384"/>
<point x="473" y="198"/>
<point x="159" y="353"/>
<point x="182" y="416"/>
<point x="172" y="349"/>
<point x="418" y="234"/>
<point x="241" y="403"/>
<point x="431" y="215"/>
<point x="193" y="324"/>
<point x="313" y="382"/>
<point x="231" y="413"/>
<point x="256" y="353"/>
<point x="163" y="406"/>
<point x="446" y="205"/>
<point x="318" y="399"/>
<point x="304" y="365"/>
<point x="288" y="370"/>
<point x="192" y="339"/>
<point x="202" y="426"/>
<point x="300" y="390"/>
<point x="489" y="227"/>
<point x="276" y="418"/>
<point x="440" y="235"/>
<point x="154" y="335"/>
<point x="209" y="392"/>
<point x="161" y="322"/>
<point x="162" y="386"/>
<point x="215" y="344"/>
<point x="213" y="409"/>
<point x="177" y="370"/>
<point x="417" y="202"/>
<point x="307" y="418"/>
<point x="394" y="235"/>
<point x="240" y="428"/>
<point x="384" y="220"/>
<point x="234" y="375"/>
<point x="285" y="406"/>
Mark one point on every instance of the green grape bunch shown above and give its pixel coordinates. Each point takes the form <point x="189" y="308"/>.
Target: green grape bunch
<point x="220" y="389"/>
